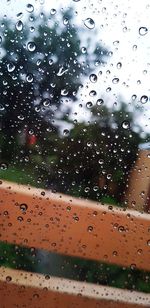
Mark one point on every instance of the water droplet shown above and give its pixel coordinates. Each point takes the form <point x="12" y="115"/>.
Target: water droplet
<point x="19" y="25"/>
<point x="89" y="23"/>
<point x="23" y="207"/>
<point x="10" y="67"/>
<point x="119" y="65"/>
<point x="8" y="278"/>
<point x="61" y="71"/>
<point x="47" y="277"/>
<point x="20" y="218"/>
<point x="19" y="15"/>
<point x="89" y="105"/>
<point x="20" y="117"/>
<point x="3" y="166"/>
<point x="46" y="102"/>
<point x="83" y="50"/>
<point x="65" y="132"/>
<point x="64" y="92"/>
<point x="30" y="8"/>
<point x="134" y="96"/>
<point x="65" y="21"/>
<point x="101" y="161"/>
<point x="126" y="124"/>
<point x="99" y="102"/>
<point x="52" y="11"/>
<point x="92" y="93"/>
<point x="115" y="80"/>
<point x="90" y="228"/>
<point x="29" y="78"/>
<point x="143" y="31"/>
<point x="144" y="99"/>
<point x="121" y="229"/>
<point x="148" y="242"/>
<point x="93" y="78"/>
<point x="31" y="46"/>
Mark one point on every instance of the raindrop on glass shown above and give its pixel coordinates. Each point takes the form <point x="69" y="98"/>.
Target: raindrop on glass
<point x="10" y="67"/>
<point x="29" y="78"/>
<point x="144" y="99"/>
<point x="126" y="124"/>
<point x="30" y="8"/>
<point x="31" y="46"/>
<point x="19" y="25"/>
<point x="143" y="31"/>
<point x="93" y="78"/>
<point x="89" y="23"/>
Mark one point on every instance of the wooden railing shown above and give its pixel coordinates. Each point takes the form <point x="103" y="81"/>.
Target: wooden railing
<point x="76" y="227"/>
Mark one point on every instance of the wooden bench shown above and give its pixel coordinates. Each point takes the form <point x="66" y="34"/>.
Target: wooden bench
<point x="55" y="222"/>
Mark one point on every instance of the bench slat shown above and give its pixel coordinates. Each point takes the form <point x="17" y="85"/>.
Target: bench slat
<point x="24" y="289"/>
<point x="74" y="227"/>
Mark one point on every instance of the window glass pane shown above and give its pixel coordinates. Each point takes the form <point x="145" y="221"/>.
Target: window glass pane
<point x="74" y="101"/>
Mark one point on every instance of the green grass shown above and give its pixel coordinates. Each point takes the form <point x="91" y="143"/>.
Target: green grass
<point x="21" y="175"/>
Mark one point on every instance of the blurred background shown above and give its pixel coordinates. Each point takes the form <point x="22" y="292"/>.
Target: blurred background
<point x="74" y="102"/>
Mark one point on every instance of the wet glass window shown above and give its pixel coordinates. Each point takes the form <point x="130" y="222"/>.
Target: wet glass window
<point x="74" y="130"/>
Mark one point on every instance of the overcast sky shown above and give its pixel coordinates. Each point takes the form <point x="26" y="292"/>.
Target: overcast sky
<point x="118" y="24"/>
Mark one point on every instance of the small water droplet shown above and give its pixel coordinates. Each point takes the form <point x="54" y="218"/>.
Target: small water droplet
<point x="64" y="92"/>
<point x="119" y="65"/>
<point x="90" y="228"/>
<point x="19" y="25"/>
<point x="52" y="11"/>
<point x="83" y="50"/>
<point x="148" y="242"/>
<point x="66" y="132"/>
<point x="23" y="207"/>
<point x="89" y="23"/>
<point x="46" y="102"/>
<point x="143" y="31"/>
<point x="29" y="78"/>
<point x="8" y="278"/>
<point x="115" y="80"/>
<point x="92" y="93"/>
<point x="126" y="124"/>
<point x="3" y="166"/>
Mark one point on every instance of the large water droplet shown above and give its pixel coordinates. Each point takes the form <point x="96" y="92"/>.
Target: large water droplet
<point x="144" y="99"/>
<point x="19" y="25"/>
<point x="100" y="102"/>
<point x="31" y="46"/>
<point x="93" y="78"/>
<point x="52" y="11"/>
<point x="89" y="23"/>
<point x="10" y="67"/>
<point x="89" y="105"/>
<point x="30" y="8"/>
<point x="143" y="31"/>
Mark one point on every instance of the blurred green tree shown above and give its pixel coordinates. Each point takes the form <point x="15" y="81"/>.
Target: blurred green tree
<point x="95" y="159"/>
<point x="42" y="62"/>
